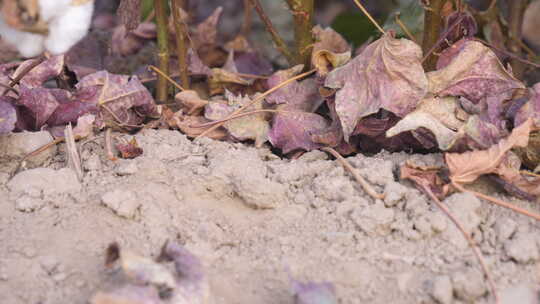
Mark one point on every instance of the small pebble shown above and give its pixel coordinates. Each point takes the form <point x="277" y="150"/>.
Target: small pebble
<point x="442" y="289"/>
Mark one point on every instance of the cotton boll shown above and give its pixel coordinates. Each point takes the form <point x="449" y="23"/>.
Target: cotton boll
<point x="68" y="22"/>
<point x="68" y="28"/>
<point x="28" y="44"/>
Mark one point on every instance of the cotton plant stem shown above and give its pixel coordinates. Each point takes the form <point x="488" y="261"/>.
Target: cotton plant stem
<point x="181" y="45"/>
<point x="302" y="11"/>
<point x="432" y="29"/>
<point x="160" y="6"/>
<point x="278" y="40"/>
<point x="365" y="185"/>
<point x="258" y="99"/>
<point x="517" y="10"/>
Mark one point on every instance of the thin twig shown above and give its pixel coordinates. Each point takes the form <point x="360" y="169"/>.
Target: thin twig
<point x="498" y="202"/>
<point x="515" y="21"/>
<point x="278" y="40"/>
<point x="25" y="71"/>
<point x="363" y="9"/>
<point x="513" y="56"/>
<point x="169" y="79"/>
<point x="261" y="97"/>
<point x="404" y="28"/>
<point x="109" y="145"/>
<point x="471" y="242"/>
<point x="365" y="185"/>
<point x="211" y="123"/>
<point x="181" y="46"/>
<point x="442" y="38"/>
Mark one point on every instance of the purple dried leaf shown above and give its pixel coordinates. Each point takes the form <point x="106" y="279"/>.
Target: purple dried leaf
<point x="474" y="73"/>
<point x="196" y="66"/>
<point x="40" y="104"/>
<point x="123" y="100"/>
<point x="130" y="149"/>
<point x="386" y="75"/>
<point x="252" y="63"/>
<point x="86" y="57"/>
<point x="252" y="127"/>
<point x="330" y="51"/>
<point x="293" y="130"/>
<point x="8" y="115"/>
<point x="301" y="96"/>
<point x="44" y="71"/>
<point x="206" y="32"/>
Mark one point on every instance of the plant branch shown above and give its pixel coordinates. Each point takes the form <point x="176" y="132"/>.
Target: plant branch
<point x="248" y="18"/>
<point x="278" y="40"/>
<point x="160" y="7"/>
<point x="181" y="45"/>
<point x="302" y="11"/>
<point x="515" y="21"/>
<point x="432" y="29"/>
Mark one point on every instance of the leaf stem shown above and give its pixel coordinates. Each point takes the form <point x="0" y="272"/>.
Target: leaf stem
<point x="278" y="40"/>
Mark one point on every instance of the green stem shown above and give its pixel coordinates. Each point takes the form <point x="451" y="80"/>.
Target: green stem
<point x="302" y="11"/>
<point x="160" y="7"/>
<point x="432" y="29"/>
<point x="181" y="45"/>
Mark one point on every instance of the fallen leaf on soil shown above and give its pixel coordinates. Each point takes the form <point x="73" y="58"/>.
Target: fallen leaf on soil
<point x="252" y="127"/>
<point x="474" y="73"/>
<point x="39" y="104"/>
<point x="191" y="103"/>
<point x="187" y="124"/>
<point x="206" y="31"/>
<point x="465" y="168"/>
<point x="330" y="51"/>
<point x="293" y="128"/>
<point x="85" y="126"/>
<point x="438" y="115"/>
<point x="46" y="70"/>
<point x="123" y="100"/>
<point x="8" y="115"/>
<point x="129" y="150"/>
<point x="429" y="177"/>
<point x="386" y="75"/>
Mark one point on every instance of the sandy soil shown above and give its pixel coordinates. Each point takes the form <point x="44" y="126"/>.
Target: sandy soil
<point x="253" y="219"/>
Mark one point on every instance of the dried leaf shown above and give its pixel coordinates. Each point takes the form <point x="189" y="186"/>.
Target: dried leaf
<point x="252" y="127"/>
<point x="436" y="115"/>
<point x="44" y="71"/>
<point x="8" y="115"/>
<point x="129" y="150"/>
<point x="386" y="75"/>
<point x="293" y="130"/>
<point x="123" y="100"/>
<point x="474" y="73"/>
<point x="39" y="103"/>
<point x="191" y="103"/>
<point x="330" y="51"/>
<point x="85" y="126"/>
<point x="467" y="167"/>
<point x="206" y="32"/>
<point x="425" y="176"/>
<point x="187" y="124"/>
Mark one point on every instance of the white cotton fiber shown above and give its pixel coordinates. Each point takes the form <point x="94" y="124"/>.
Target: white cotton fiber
<point x="68" y="22"/>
